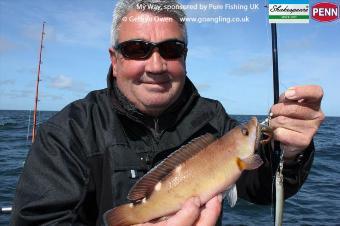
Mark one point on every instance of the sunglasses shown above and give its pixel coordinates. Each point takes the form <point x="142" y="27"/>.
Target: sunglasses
<point x="141" y="50"/>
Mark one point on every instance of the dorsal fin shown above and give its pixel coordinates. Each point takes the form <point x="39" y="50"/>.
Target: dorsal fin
<point x="145" y="186"/>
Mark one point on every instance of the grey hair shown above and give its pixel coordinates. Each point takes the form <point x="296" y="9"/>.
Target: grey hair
<point x="123" y="7"/>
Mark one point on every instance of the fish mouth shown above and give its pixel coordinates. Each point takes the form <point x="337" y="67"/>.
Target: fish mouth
<point x="267" y="134"/>
<point x="264" y="135"/>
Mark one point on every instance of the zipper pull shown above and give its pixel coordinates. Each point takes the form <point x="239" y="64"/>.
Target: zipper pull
<point x="156" y="129"/>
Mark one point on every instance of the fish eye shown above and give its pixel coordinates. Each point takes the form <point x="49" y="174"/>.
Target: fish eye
<point x="245" y="131"/>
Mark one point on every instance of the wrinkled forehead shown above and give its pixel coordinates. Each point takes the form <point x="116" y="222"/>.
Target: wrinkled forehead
<point x="149" y="26"/>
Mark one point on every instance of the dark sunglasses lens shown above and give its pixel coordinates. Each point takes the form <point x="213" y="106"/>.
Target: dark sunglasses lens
<point x="171" y="49"/>
<point x="135" y="49"/>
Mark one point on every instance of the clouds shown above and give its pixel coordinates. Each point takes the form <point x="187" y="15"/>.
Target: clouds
<point x="53" y="91"/>
<point x="68" y="22"/>
<point x="51" y="97"/>
<point x="63" y="82"/>
<point x="221" y="58"/>
<point x="59" y="83"/>
<point x="201" y="52"/>
<point x="203" y="86"/>
<point x="6" y="45"/>
<point x="82" y="28"/>
<point x="258" y="65"/>
<point x="7" y="82"/>
<point x="17" y="94"/>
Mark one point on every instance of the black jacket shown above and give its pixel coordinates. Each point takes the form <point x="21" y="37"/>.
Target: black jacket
<point x="86" y="158"/>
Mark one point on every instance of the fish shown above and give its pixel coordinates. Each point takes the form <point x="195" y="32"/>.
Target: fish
<point x="204" y="167"/>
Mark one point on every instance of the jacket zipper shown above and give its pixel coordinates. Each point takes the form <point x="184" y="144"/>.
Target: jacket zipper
<point x="156" y="129"/>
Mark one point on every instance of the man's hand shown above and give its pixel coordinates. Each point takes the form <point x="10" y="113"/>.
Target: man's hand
<point x="192" y="214"/>
<point x="296" y="118"/>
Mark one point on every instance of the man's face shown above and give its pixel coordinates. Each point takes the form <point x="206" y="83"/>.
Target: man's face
<point x="152" y="84"/>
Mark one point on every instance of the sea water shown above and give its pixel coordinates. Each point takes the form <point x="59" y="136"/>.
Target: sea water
<point x="317" y="203"/>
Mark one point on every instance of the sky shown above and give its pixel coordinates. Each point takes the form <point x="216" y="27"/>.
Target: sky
<point x="230" y="62"/>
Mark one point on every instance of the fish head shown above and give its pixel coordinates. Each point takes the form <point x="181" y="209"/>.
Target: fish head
<point x="249" y="137"/>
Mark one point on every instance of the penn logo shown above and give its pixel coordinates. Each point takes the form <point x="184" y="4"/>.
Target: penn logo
<point x="325" y="12"/>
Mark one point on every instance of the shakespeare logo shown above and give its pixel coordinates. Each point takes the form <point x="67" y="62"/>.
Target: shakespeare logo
<point x="288" y="11"/>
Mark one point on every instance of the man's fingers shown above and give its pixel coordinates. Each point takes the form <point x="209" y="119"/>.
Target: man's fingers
<point x="297" y="117"/>
<point x="191" y="214"/>
<point x="309" y="94"/>
<point x="296" y="125"/>
<point x="295" y="110"/>
<point x="186" y="216"/>
<point x="292" y="138"/>
<point x="211" y="212"/>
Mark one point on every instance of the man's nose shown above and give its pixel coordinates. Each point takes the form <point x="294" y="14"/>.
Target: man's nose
<point x="155" y="63"/>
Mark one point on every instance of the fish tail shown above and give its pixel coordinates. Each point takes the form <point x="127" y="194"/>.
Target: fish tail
<point x="249" y="163"/>
<point x="123" y="215"/>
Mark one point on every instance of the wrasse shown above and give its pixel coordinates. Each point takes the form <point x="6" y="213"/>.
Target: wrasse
<point x="204" y="168"/>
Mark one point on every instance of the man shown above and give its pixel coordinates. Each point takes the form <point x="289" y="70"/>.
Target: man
<point x="87" y="157"/>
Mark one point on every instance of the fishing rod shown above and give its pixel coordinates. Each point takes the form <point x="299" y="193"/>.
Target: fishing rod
<point x="277" y="155"/>
<point x="8" y="209"/>
<point x="37" y="85"/>
<point x="275" y="64"/>
<point x="277" y="150"/>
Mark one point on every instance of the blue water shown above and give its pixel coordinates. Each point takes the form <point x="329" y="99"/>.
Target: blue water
<point x="317" y="203"/>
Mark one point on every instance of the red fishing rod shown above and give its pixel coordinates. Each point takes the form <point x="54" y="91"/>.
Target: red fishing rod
<point x="8" y="210"/>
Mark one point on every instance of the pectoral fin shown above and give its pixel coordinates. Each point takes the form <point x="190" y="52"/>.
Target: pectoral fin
<point x="231" y="195"/>
<point x="249" y="163"/>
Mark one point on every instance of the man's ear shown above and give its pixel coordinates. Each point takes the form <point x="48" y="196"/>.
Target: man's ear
<point x="185" y="58"/>
<point x="113" y="58"/>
